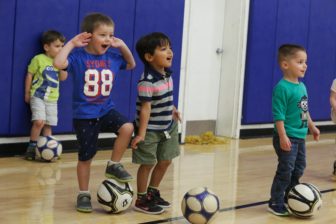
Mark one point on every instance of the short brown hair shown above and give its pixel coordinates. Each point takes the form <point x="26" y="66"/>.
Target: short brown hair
<point x="288" y="50"/>
<point x="93" y="20"/>
<point x="50" y="36"/>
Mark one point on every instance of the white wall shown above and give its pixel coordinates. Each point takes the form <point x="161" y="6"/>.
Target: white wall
<point x="206" y="77"/>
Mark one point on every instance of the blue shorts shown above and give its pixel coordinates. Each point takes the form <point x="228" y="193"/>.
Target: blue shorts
<point x="87" y="131"/>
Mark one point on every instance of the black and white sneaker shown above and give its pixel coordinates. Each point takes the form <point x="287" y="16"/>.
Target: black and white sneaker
<point x="158" y="200"/>
<point x="146" y="205"/>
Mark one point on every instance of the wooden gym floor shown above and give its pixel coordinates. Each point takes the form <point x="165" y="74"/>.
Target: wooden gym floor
<point x="240" y="173"/>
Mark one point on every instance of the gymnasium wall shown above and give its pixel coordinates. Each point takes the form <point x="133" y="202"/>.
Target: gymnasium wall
<point x="27" y="19"/>
<point x="309" y="23"/>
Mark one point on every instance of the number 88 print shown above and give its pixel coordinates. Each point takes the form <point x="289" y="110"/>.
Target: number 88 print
<point x="98" y="83"/>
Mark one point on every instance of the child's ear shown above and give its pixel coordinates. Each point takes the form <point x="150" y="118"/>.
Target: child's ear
<point x="284" y="64"/>
<point x="149" y="57"/>
<point x="46" y="47"/>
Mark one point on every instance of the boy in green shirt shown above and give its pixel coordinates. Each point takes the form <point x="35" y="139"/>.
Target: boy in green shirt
<point x="42" y="89"/>
<point x="292" y="120"/>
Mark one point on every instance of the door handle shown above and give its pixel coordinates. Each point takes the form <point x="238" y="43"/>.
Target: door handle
<point x="219" y="51"/>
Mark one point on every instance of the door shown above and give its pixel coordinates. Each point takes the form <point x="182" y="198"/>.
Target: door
<point x="201" y="60"/>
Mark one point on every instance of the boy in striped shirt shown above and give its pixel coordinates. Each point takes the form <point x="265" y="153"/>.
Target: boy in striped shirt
<point x="156" y="133"/>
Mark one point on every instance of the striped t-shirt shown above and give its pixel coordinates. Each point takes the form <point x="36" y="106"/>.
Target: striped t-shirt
<point x="158" y="89"/>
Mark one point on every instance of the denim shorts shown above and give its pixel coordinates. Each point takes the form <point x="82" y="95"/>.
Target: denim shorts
<point x="87" y="131"/>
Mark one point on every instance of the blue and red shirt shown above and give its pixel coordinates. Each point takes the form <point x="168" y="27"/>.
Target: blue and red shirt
<point x="93" y="76"/>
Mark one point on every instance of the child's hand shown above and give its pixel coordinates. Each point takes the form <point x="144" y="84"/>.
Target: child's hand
<point x="135" y="141"/>
<point x="82" y="39"/>
<point x="117" y="43"/>
<point x="316" y="133"/>
<point x="177" y="115"/>
<point x="285" y="144"/>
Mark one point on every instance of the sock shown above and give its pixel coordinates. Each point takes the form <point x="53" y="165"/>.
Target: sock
<point x="84" y="192"/>
<point x="110" y="162"/>
<point x="151" y="188"/>
<point x="141" y="195"/>
<point x="32" y="143"/>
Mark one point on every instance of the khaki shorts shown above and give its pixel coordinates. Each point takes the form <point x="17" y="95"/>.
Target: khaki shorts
<point x="157" y="147"/>
<point x="43" y="110"/>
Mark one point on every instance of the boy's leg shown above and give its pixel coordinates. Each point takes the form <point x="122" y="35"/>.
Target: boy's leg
<point x="167" y="149"/>
<point x="117" y="123"/>
<point x="144" y="202"/>
<point x="122" y="141"/>
<point x="47" y="130"/>
<point x="51" y="118"/>
<point x="83" y="176"/>
<point x="34" y="134"/>
<point x="143" y="176"/>
<point x="157" y="175"/>
<point x="300" y="164"/>
<point x="282" y="178"/>
<point x="38" y="109"/>
<point x="87" y="131"/>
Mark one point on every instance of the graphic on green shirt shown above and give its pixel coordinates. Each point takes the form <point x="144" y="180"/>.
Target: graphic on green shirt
<point x="303" y="105"/>
<point x="45" y="83"/>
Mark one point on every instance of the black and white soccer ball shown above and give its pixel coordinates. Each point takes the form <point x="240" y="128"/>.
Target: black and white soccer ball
<point x="114" y="196"/>
<point x="200" y="205"/>
<point x="48" y="148"/>
<point x="304" y="200"/>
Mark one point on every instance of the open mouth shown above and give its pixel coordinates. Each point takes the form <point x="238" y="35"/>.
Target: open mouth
<point x="105" y="46"/>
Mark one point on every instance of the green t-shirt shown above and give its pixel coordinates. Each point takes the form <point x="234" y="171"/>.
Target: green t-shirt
<point x="290" y="104"/>
<point x="45" y="83"/>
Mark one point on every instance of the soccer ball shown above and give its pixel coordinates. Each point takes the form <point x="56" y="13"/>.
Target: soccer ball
<point x="199" y="205"/>
<point x="48" y="148"/>
<point x="114" y="196"/>
<point x="304" y="200"/>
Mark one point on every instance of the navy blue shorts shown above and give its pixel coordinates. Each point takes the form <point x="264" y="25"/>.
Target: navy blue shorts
<point x="87" y="131"/>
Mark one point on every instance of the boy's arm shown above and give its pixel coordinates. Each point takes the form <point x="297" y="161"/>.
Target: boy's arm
<point x="333" y="100"/>
<point x="28" y="82"/>
<point x="285" y="143"/>
<point x="125" y="52"/>
<point x="63" y="75"/>
<point x="313" y="129"/>
<point x="176" y="115"/>
<point x="61" y="59"/>
<point x="143" y="123"/>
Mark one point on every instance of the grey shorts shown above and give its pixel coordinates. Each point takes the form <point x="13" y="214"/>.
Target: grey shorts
<point x="43" y="110"/>
<point x="157" y="147"/>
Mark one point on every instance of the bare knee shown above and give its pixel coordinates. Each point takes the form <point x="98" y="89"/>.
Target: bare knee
<point x="38" y="124"/>
<point x="164" y="164"/>
<point x="126" y="129"/>
<point x="145" y="167"/>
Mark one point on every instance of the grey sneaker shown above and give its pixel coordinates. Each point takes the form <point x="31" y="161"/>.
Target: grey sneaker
<point x="118" y="172"/>
<point x="30" y="153"/>
<point x="84" y="203"/>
